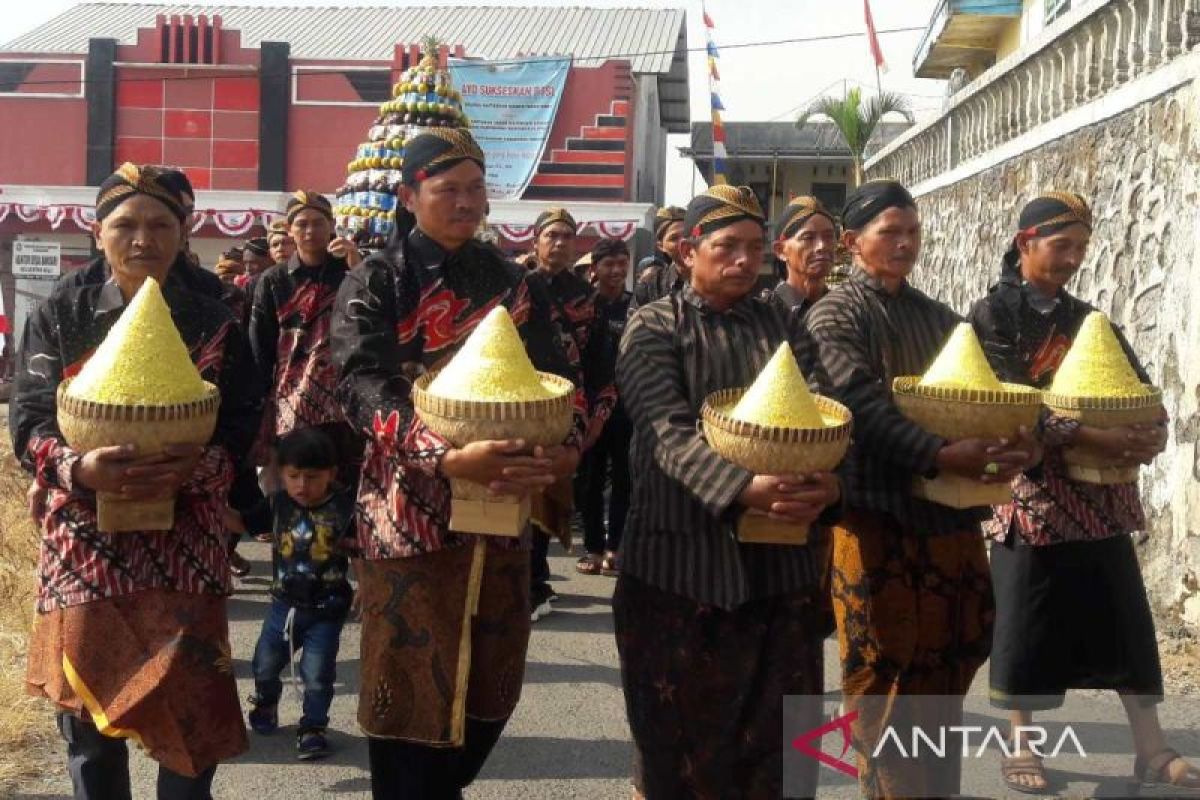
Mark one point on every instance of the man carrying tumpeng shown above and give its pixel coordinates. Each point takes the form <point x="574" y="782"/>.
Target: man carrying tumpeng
<point x="438" y="686"/>
<point x="712" y="633"/>
<point x="131" y="636"/>
<point x="911" y="591"/>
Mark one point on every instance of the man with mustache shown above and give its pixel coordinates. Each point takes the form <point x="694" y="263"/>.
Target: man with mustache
<point x="806" y="242"/>
<point x="713" y="632"/>
<point x="439" y="679"/>
<point x="584" y="340"/>
<point x="911" y="589"/>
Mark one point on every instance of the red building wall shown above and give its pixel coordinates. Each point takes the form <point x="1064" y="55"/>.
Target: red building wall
<point x="43" y="140"/>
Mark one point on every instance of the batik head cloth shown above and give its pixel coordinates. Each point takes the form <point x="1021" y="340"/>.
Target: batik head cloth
<point x="1053" y="211"/>
<point x="665" y="218"/>
<point x="799" y="211"/>
<point x="302" y="199"/>
<point x="437" y="150"/>
<point x="721" y="206"/>
<point x="552" y="215"/>
<point x="169" y="187"/>
<point x="872" y="199"/>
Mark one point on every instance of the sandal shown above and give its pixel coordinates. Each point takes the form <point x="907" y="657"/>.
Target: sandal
<point x="589" y="565"/>
<point x="1024" y="766"/>
<point x="1155" y="772"/>
<point x="610" y="566"/>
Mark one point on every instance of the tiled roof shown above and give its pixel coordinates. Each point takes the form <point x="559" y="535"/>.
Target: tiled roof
<point x="818" y="138"/>
<point x="649" y="38"/>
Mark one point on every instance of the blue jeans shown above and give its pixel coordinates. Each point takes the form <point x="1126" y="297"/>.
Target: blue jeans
<point x="317" y="637"/>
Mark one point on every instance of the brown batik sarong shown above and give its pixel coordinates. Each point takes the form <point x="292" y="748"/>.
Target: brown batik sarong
<point x="153" y="667"/>
<point x="444" y="637"/>
<point x="914" y="616"/>
<point x="704" y="690"/>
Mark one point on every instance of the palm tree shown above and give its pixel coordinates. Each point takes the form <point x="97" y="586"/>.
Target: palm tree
<point x="856" y="120"/>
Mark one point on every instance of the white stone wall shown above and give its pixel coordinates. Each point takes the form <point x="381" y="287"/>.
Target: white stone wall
<point x="1141" y="171"/>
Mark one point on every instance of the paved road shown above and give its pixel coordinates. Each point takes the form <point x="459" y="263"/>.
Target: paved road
<point x="568" y="738"/>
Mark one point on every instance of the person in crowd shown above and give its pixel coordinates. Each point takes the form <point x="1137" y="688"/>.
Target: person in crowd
<point x="256" y="256"/>
<point x="289" y="333"/>
<point x="712" y="633"/>
<point x="1071" y="607"/>
<point x="584" y="339"/>
<point x="806" y="237"/>
<point x="668" y="231"/>
<point x="311" y="524"/>
<point x="606" y="463"/>
<point x="230" y="266"/>
<point x="902" y="639"/>
<point x="109" y="604"/>
<point x="438" y="684"/>
<point x="280" y="241"/>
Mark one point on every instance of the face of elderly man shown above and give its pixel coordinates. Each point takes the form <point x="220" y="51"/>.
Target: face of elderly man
<point x="141" y="239"/>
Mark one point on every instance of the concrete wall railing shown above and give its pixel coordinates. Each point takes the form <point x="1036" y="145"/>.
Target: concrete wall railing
<point x="1087" y="54"/>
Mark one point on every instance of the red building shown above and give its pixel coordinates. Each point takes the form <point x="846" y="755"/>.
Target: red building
<point x="254" y="102"/>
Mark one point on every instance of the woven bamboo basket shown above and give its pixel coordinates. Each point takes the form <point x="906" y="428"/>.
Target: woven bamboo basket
<point x="1090" y="466"/>
<point x="539" y="422"/>
<point x="768" y="450"/>
<point x="87" y="425"/>
<point x="966" y="414"/>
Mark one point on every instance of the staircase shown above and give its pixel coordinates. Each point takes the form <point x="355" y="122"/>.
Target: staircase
<point x="591" y="166"/>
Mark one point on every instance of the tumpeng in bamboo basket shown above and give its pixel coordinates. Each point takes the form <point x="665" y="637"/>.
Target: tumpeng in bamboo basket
<point x="1089" y="466"/>
<point x="769" y="450"/>
<point x="957" y="413"/>
<point x="545" y="422"/>
<point x="88" y="424"/>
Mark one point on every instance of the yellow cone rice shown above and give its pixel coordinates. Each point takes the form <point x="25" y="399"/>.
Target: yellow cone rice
<point x="491" y="365"/>
<point x="1096" y="365"/>
<point x="962" y="364"/>
<point x="779" y="396"/>
<point x="142" y="360"/>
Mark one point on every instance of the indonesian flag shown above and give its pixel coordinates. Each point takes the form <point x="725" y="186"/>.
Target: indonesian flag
<point x="873" y="38"/>
<point x="4" y="331"/>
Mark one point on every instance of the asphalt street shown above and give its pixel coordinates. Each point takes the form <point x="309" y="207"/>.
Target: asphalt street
<point x="569" y="738"/>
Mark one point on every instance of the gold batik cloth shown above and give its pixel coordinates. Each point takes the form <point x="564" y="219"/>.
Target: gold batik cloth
<point x="153" y="667"/>
<point x="914" y="617"/>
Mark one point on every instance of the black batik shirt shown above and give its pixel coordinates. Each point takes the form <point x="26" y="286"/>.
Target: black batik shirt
<point x="78" y="563"/>
<point x="1026" y="335"/>
<point x="680" y="532"/>
<point x="401" y="313"/>
<point x="665" y="280"/>
<point x="787" y="298"/>
<point x="289" y="333"/>
<point x="585" y="338"/>
<point x="866" y="337"/>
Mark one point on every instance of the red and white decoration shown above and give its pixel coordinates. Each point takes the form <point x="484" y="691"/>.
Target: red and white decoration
<point x="237" y="223"/>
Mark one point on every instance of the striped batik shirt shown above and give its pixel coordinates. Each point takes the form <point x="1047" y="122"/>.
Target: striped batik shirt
<point x="865" y="337"/>
<point x="680" y="534"/>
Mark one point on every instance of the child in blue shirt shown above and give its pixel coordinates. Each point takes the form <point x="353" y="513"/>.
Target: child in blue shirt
<point x="312" y="534"/>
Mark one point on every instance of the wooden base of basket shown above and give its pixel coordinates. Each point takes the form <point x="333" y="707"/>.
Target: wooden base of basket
<point x="1103" y="476"/>
<point x="501" y="516"/>
<point x="954" y="491"/>
<point x="758" y="528"/>
<point x="114" y="515"/>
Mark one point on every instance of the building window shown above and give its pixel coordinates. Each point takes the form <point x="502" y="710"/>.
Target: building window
<point x="1056" y="8"/>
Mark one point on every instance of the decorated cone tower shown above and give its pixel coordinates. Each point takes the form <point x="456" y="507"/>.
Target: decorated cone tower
<point x="423" y="99"/>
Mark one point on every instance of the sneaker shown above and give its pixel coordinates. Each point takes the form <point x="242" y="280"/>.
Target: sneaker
<point x="539" y="603"/>
<point x="238" y="565"/>
<point x="311" y="744"/>
<point x="264" y="719"/>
